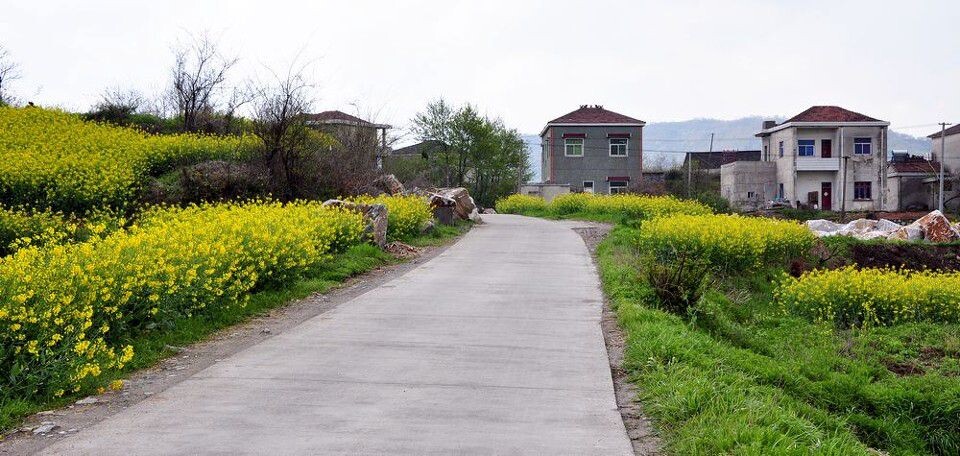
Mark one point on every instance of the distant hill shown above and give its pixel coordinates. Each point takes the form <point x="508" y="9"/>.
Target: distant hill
<point x="664" y="143"/>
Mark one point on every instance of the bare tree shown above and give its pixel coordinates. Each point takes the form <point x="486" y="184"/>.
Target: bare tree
<point x="279" y="109"/>
<point x="198" y="77"/>
<point x="9" y="72"/>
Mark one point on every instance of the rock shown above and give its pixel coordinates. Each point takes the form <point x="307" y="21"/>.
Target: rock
<point x="402" y="250"/>
<point x="45" y="427"/>
<point x="87" y="401"/>
<point x="463" y="205"/>
<point x="888" y="226"/>
<point x="374" y="216"/>
<point x="428" y="227"/>
<point x="173" y="348"/>
<point x="489" y="210"/>
<point x="936" y="228"/>
<point x="906" y="233"/>
<point x="389" y="184"/>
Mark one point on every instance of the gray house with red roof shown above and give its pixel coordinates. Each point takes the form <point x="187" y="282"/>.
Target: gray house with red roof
<point x="593" y="150"/>
<point x="828" y="158"/>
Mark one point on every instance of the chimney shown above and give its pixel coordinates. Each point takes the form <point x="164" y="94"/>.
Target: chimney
<point x="768" y="124"/>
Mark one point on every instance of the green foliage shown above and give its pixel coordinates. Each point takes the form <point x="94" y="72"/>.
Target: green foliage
<point x="741" y="376"/>
<point x="482" y="154"/>
<point x="677" y="282"/>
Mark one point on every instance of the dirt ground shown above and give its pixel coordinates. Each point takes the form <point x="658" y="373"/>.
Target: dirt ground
<point x="639" y="427"/>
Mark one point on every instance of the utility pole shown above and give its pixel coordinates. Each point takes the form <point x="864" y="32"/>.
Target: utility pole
<point x="943" y="151"/>
<point x="689" y="171"/>
<point x="711" y="142"/>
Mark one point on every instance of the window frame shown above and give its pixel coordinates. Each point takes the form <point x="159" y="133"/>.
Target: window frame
<point x="625" y="144"/>
<point x="859" y="142"/>
<point x="780" y="191"/>
<point x="621" y="187"/>
<point x="806" y="145"/>
<point x="858" y="190"/>
<point x="780" y="149"/>
<point x="593" y="186"/>
<point x="567" y="145"/>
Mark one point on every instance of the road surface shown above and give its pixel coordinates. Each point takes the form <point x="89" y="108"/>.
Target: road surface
<point x="492" y="347"/>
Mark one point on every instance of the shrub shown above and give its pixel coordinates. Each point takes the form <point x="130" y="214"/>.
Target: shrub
<point x="67" y="311"/>
<point x="726" y="242"/>
<point x="53" y="159"/>
<point x="851" y="297"/>
<point x="677" y="283"/>
<point x="570" y="203"/>
<point x="642" y="207"/>
<point x="520" y="204"/>
<point x="406" y="215"/>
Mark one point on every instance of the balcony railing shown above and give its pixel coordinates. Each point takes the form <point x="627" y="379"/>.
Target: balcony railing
<point x="818" y="164"/>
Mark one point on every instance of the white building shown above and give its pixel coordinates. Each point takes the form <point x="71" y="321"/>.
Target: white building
<point x="828" y="158"/>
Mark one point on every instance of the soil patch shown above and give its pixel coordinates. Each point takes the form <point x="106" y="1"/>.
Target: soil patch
<point x="906" y="256"/>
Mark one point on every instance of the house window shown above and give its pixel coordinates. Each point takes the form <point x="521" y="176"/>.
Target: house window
<point x="862" y="146"/>
<point x="781" y="148"/>
<point x="573" y="147"/>
<point x="588" y="186"/>
<point x="766" y="153"/>
<point x="618" y="147"/>
<point x="861" y="190"/>
<point x="780" y="190"/>
<point x="618" y="187"/>
<point x="751" y="195"/>
<point x="805" y="147"/>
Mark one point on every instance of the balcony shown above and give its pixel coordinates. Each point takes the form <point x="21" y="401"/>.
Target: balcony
<point x="818" y="164"/>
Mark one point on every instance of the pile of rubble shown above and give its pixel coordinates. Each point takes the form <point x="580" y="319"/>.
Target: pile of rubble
<point x="933" y="227"/>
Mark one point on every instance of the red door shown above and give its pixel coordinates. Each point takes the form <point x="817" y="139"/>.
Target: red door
<point x="826" y="195"/>
<point x="826" y="148"/>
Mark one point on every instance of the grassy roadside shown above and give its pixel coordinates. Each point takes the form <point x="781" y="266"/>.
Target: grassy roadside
<point x="152" y="347"/>
<point x="740" y="376"/>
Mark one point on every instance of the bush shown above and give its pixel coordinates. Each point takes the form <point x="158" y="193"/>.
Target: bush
<point x="406" y="215"/>
<point x="642" y="207"/>
<point x="727" y="242"/>
<point x="68" y="311"/>
<point x="521" y="204"/>
<point x="51" y="159"/>
<point x="570" y="203"/>
<point x="677" y="283"/>
<point x="851" y="297"/>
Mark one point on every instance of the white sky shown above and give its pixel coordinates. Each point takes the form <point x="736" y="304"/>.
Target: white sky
<point x="525" y="61"/>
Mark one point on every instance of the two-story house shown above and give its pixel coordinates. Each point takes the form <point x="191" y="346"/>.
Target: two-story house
<point x="354" y="133"/>
<point x="829" y="158"/>
<point x="593" y="150"/>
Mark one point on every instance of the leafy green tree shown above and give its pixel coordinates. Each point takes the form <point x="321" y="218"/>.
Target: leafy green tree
<point x="481" y="153"/>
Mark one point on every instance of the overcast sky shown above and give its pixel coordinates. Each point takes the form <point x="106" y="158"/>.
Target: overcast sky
<point x="525" y="61"/>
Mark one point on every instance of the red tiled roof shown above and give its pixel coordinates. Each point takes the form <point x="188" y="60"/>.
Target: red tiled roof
<point x="916" y="166"/>
<point x="594" y="115"/>
<point x="830" y="114"/>
<point x="950" y="131"/>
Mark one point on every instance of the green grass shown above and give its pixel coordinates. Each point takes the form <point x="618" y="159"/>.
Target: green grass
<point x="152" y="347"/>
<point x="739" y="376"/>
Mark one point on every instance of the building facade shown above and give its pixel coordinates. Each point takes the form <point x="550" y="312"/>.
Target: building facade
<point x="947" y="151"/>
<point x="828" y="158"/>
<point x="593" y="150"/>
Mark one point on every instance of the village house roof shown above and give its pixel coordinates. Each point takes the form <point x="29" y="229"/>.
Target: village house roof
<point x="823" y="116"/>
<point x="594" y="115"/>
<point x="909" y="164"/>
<point x="421" y="148"/>
<point x="714" y="160"/>
<point x="950" y="131"/>
<point x="341" y="118"/>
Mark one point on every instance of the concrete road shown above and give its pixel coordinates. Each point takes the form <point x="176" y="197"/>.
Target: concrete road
<point x="493" y="347"/>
